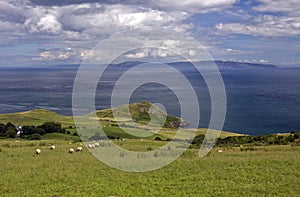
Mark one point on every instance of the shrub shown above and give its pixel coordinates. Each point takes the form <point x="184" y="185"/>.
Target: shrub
<point x="157" y="139"/>
<point x="51" y="127"/>
<point x="11" y="133"/>
<point x="29" y="130"/>
<point x="34" y="136"/>
<point x="149" y="149"/>
<point x="2" y="129"/>
<point x="198" y="139"/>
<point x="10" y="125"/>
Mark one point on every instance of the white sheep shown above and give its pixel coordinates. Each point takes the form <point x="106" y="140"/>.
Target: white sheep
<point x="79" y="149"/>
<point x="96" y="144"/>
<point x="71" y="150"/>
<point x="220" y="151"/>
<point x="91" y="146"/>
<point x="52" y="147"/>
<point x="38" y="151"/>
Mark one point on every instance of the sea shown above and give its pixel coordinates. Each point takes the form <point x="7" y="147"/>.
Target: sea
<point x="259" y="100"/>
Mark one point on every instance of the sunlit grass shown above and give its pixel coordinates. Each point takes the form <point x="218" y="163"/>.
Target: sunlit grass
<point x="268" y="170"/>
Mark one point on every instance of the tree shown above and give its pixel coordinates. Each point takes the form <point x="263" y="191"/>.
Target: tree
<point x="34" y="136"/>
<point x="198" y="139"/>
<point x="11" y="133"/>
<point x="51" y="127"/>
<point x="10" y="125"/>
<point x="29" y="130"/>
<point x="2" y="130"/>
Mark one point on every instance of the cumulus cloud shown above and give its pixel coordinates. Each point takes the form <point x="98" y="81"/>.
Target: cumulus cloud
<point x="166" y="5"/>
<point x="65" y="55"/>
<point x="266" y="25"/>
<point x="289" y="6"/>
<point x="47" y="24"/>
<point x="285" y="20"/>
<point x="80" y="24"/>
<point x="194" y="5"/>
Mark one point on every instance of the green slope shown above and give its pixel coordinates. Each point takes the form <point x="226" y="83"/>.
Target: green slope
<point x="138" y="113"/>
<point x="36" y="117"/>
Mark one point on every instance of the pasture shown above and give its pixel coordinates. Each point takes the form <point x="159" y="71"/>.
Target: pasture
<point x="263" y="171"/>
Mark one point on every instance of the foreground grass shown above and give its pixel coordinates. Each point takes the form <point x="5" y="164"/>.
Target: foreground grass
<point x="271" y="171"/>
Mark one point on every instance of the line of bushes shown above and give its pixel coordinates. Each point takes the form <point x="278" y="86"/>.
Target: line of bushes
<point x="9" y="130"/>
<point x="271" y="139"/>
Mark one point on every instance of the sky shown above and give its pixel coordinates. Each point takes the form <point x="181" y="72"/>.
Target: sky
<point x="40" y="32"/>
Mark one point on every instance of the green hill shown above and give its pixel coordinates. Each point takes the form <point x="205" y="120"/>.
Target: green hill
<point x="144" y="116"/>
<point x="36" y="117"/>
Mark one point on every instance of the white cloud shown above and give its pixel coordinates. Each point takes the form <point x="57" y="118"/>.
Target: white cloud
<point x="56" y="25"/>
<point x="6" y="26"/>
<point x="107" y="19"/>
<point x="286" y="23"/>
<point x="47" y="24"/>
<point x="194" y="5"/>
<point x="231" y="50"/>
<point x="289" y="6"/>
<point x="265" y="25"/>
<point x="68" y="55"/>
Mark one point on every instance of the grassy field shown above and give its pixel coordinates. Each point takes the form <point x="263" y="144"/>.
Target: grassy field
<point x="253" y="171"/>
<point x="264" y="171"/>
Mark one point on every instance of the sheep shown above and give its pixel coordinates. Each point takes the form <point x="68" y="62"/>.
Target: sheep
<point x="38" y="151"/>
<point x="52" y="147"/>
<point x="91" y="146"/>
<point x="71" y="150"/>
<point x="220" y="151"/>
<point x="79" y="149"/>
<point x="96" y="144"/>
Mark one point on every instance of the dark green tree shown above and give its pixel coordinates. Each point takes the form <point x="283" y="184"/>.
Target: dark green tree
<point x="51" y="127"/>
<point x="11" y="133"/>
<point x="34" y="136"/>
<point x="10" y="125"/>
<point x="2" y="130"/>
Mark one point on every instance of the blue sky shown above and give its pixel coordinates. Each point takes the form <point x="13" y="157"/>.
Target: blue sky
<point x="38" y="32"/>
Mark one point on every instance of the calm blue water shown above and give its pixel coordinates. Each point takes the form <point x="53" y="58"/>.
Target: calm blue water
<point x="259" y="100"/>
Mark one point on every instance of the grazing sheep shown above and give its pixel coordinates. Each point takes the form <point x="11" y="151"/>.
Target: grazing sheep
<point x="91" y="146"/>
<point x="79" y="149"/>
<point x="220" y="151"/>
<point x="96" y="144"/>
<point x="38" y="151"/>
<point x="71" y="150"/>
<point x="52" y="147"/>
